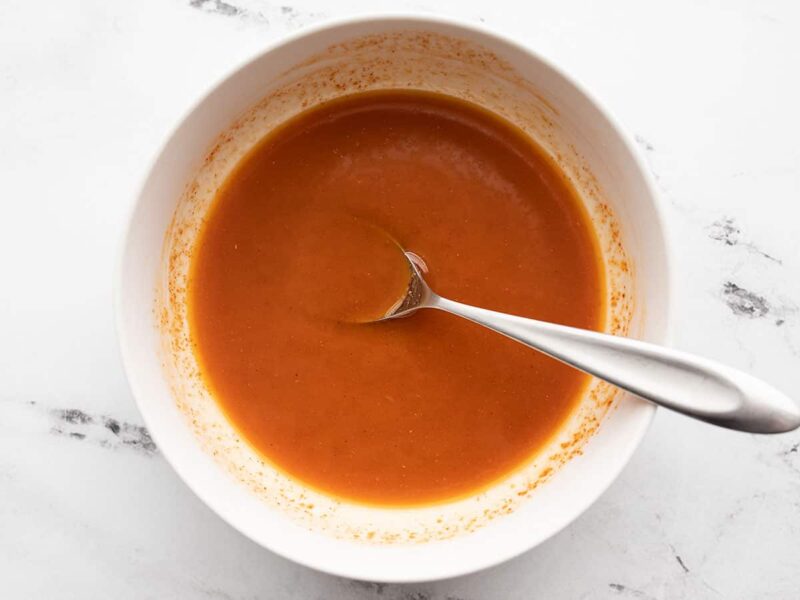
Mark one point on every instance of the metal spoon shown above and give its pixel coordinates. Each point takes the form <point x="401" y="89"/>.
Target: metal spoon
<point x="697" y="387"/>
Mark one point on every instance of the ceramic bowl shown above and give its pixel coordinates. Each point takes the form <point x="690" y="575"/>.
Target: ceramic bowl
<point x="276" y="511"/>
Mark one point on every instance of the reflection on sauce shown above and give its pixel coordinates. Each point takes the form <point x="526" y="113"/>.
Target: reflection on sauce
<point x="404" y="412"/>
<point x="343" y="269"/>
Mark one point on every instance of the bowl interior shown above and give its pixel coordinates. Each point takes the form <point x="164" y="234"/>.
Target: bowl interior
<point x="274" y="510"/>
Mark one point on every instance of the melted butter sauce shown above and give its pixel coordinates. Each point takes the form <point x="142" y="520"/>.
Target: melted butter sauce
<point x="405" y="412"/>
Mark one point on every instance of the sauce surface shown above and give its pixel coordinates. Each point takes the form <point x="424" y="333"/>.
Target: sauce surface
<point x="415" y="410"/>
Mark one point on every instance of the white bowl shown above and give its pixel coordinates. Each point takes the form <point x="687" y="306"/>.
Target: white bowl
<point x="278" y="513"/>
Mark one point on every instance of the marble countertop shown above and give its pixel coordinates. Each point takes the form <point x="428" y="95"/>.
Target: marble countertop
<point x="89" y="89"/>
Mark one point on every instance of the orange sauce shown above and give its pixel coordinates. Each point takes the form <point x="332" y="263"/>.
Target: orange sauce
<point x="412" y="411"/>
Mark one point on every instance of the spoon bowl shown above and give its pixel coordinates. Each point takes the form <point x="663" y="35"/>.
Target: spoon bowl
<point x="418" y="293"/>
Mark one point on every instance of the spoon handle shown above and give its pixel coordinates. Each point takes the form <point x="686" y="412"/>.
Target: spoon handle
<point x="692" y="385"/>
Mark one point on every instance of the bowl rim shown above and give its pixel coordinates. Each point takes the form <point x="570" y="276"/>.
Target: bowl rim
<point x="446" y="569"/>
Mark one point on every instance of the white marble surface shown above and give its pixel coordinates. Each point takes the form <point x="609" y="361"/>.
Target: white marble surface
<point x="88" y="89"/>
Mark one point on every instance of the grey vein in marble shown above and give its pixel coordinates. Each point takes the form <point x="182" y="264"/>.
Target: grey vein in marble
<point x="744" y="303"/>
<point x="297" y="18"/>
<point x="102" y="430"/>
<point x="642" y="141"/>
<point x="679" y="559"/>
<point x="396" y="591"/>
<point x="258" y="12"/>
<point x="726" y="230"/>
<point x="372" y="586"/>
<point x="624" y="590"/>
<point x="220" y="7"/>
<point x="650" y="157"/>
<point x="791" y="457"/>
<point x="216" y="6"/>
<point x="750" y="305"/>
